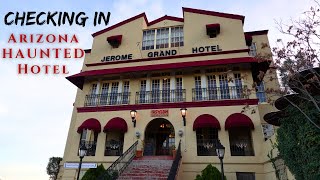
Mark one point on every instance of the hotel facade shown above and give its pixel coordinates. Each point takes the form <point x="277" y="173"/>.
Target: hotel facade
<point x="204" y="64"/>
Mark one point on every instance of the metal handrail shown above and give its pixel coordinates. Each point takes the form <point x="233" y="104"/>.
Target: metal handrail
<point x="219" y="93"/>
<point x="175" y="165"/>
<point x="107" y="99"/>
<point x="117" y="167"/>
<point x="161" y="96"/>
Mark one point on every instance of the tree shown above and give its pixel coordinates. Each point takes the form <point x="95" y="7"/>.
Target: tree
<point x="96" y="173"/>
<point x="210" y="173"/>
<point x="53" y="167"/>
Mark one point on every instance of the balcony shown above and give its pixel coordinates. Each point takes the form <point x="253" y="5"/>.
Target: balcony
<point x="241" y="147"/>
<point x="161" y="96"/>
<point x="90" y="145"/>
<point x="107" y="99"/>
<point x="219" y="93"/>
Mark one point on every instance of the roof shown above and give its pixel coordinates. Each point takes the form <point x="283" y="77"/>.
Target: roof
<point x="172" y="18"/>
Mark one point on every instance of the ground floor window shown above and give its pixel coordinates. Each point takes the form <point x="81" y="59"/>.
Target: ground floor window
<point x="89" y="139"/>
<point x="245" y="176"/>
<point x="241" y="142"/>
<point x="114" y="144"/>
<point x="206" y="141"/>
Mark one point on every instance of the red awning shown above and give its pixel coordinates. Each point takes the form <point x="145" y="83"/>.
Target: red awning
<point x="91" y="124"/>
<point x="114" y="41"/>
<point x="116" y="124"/>
<point x="237" y="120"/>
<point x="206" y="120"/>
<point x="248" y="39"/>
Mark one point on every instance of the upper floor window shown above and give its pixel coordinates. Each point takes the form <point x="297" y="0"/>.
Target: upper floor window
<point x="93" y="89"/>
<point x="261" y="94"/>
<point x="162" y="38"/>
<point x="253" y="49"/>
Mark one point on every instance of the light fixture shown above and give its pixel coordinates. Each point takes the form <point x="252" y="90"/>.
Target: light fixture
<point x="180" y="133"/>
<point x="133" y="114"/>
<point x="82" y="153"/>
<point x="183" y="114"/>
<point x="220" y="149"/>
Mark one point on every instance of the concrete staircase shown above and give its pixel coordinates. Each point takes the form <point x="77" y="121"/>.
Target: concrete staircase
<point x="148" y="168"/>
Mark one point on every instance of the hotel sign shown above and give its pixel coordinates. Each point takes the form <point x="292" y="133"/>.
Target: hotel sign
<point x="160" y="113"/>
<point x="163" y="53"/>
<point x="76" y="165"/>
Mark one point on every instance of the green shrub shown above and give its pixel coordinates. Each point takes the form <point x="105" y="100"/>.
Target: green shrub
<point x="94" y="173"/>
<point x="210" y="173"/>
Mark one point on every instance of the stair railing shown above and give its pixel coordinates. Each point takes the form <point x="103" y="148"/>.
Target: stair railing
<point x="175" y="165"/>
<point x="117" y="167"/>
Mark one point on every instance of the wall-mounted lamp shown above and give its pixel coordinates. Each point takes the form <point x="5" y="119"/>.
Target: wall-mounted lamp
<point x="133" y="114"/>
<point x="183" y="114"/>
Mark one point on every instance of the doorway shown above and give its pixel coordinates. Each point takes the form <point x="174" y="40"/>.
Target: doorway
<point x="159" y="137"/>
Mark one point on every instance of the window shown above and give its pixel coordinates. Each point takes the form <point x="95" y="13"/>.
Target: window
<point x="237" y="90"/>
<point x="224" y="88"/>
<point x="166" y="90"/>
<point x="245" y="176"/>
<point x="104" y="94"/>
<point x="212" y="87"/>
<point x="206" y="141"/>
<point x="114" y="93"/>
<point x="253" y="49"/>
<point x="268" y="131"/>
<point x="125" y="94"/>
<point x="198" y="90"/>
<point x="143" y="88"/>
<point x="91" y="99"/>
<point x="176" y="36"/>
<point x="261" y="95"/>
<point x="114" y="143"/>
<point x="179" y="93"/>
<point x="162" y="38"/>
<point x="155" y="97"/>
<point x="148" y="39"/>
<point x="241" y="142"/>
<point x="88" y="139"/>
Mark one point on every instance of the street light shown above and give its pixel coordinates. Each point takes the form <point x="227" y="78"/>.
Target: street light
<point x="220" y="153"/>
<point x="133" y="114"/>
<point x="82" y="153"/>
<point x="183" y="114"/>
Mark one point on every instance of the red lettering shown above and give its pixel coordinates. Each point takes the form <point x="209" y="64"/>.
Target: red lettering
<point x="53" y="39"/>
<point x="40" y="40"/>
<point x="25" y="68"/>
<point x="4" y="53"/>
<point x="56" y="69"/>
<point x="19" y="53"/>
<point x="67" y="53"/>
<point x="23" y="38"/>
<point x="74" y="38"/>
<point x="12" y="38"/>
<point x="76" y="53"/>
<point x="35" y="69"/>
<point x="64" y="70"/>
<point x="46" y="68"/>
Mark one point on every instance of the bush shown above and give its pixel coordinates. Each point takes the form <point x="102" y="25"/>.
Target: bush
<point x="299" y="142"/>
<point x="210" y="173"/>
<point x="94" y="173"/>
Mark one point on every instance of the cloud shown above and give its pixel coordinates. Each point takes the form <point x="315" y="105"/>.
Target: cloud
<point x="3" y="110"/>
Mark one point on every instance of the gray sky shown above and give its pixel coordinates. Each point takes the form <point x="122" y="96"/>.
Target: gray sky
<point x="35" y="110"/>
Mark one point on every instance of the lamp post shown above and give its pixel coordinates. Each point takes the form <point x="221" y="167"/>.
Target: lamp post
<point x="183" y="114"/>
<point x="220" y="153"/>
<point x="133" y="114"/>
<point x="82" y="153"/>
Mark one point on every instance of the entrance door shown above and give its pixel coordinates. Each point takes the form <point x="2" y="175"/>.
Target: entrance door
<point x="159" y="137"/>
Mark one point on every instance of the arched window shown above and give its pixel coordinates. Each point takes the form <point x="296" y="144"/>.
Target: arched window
<point x="115" y="129"/>
<point x="89" y="131"/>
<point x="239" y="127"/>
<point x="206" y="127"/>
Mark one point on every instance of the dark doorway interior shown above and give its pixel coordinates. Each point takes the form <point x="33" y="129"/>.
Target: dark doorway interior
<point x="159" y="137"/>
